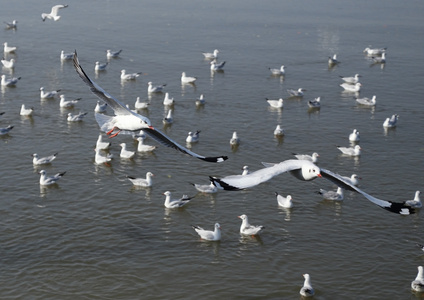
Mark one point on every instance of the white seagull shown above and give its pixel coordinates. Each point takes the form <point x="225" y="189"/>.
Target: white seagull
<point x="215" y="66"/>
<point x="129" y="76"/>
<point x="418" y="284"/>
<point x="374" y="51"/>
<point x="416" y="202"/>
<point x="47" y="95"/>
<point x="111" y="53"/>
<point x="296" y="93"/>
<point x="102" y="145"/>
<point x="354" y="136"/>
<point x="313" y="158"/>
<point x="351" y="151"/>
<point x="209" y="235"/>
<point x="168" y="101"/>
<point x="9" y="81"/>
<point x="193" y="137"/>
<point x="67" y="103"/>
<point x="275" y="103"/>
<point x="247" y="229"/>
<point x="100" y="67"/>
<point x="205" y="188"/>
<point x="353" y="179"/>
<point x="307" y="290"/>
<point x="6" y="130"/>
<point x="66" y="56"/>
<point x="351" y="80"/>
<point x="141" y="147"/>
<point x="8" y="64"/>
<point x="77" y="117"/>
<point x="332" y="60"/>
<point x="127" y="120"/>
<point x="53" y="15"/>
<point x="306" y="171"/>
<point x="144" y="182"/>
<point x="100" y="107"/>
<point x="209" y="55"/>
<point x="316" y="103"/>
<point x="332" y="195"/>
<point x="281" y="71"/>
<point x="235" y="140"/>
<point x="126" y="153"/>
<point x="36" y="160"/>
<point x="351" y="87"/>
<point x="102" y="159"/>
<point x="9" y="49"/>
<point x="11" y="25"/>
<point x="141" y="104"/>
<point x="168" y="119"/>
<point x="286" y="202"/>
<point x="391" y="122"/>
<point x="278" y="131"/>
<point x="379" y="59"/>
<point x="26" y="111"/>
<point x="245" y="170"/>
<point x="175" y="203"/>
<point x="367" y="101"/>
<point x="187" y="79"/>
<point x="49" y="180"/>
<point x="201" y="100"/>
<point x="155" y="89"/>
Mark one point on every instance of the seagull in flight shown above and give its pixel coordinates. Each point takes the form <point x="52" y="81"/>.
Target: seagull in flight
<point x="127" y="120"/>
<point x="53" y="15"/>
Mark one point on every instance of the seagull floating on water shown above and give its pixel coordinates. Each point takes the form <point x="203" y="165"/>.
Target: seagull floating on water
<point x="354" y="136"/>
<point x="49" y="180"/>
<point x="281" y="71"/>
<point x="351" y="80"/>
<point x="235" y="140"/>
<point x="215" y="66"/>
<point x="391" y="122"/>
<point x="129" y="76"/>
<point x="67" y="103"/>
<point x="278" y="131"/>
<point x="285" y="202"/>
<point x="9" y="64"/>
<point x="193" y="137"/>
<point x="306" y="171"/>
<point x="112" y="54"/>
<point x="417" y="285"/>
<point x="353" y="179"/>
<point x="374" y="51"/>
<point x="379" y="59"/>
<point x="187" y="79"/>
<point x="144" y="182"/>
<point x="48" y="95"/>
<point x="9" y="81"/>
<point x="127" y="120"/>
<point x="155" y="89"/>
<point x="245" y="170"/>
<point x="205" y="188"/>
<point x="201" y="100"/>
<point x="332" y="61"/>
<point x="351" y="87"/>
<point x="209" y="235"/>
<point x="9" y="49"/>
<point x="316" y="103"/>
<point x="275" y="103"/>
<point x="296" y="93"/>
<point x="100" y="66"/>
<point x="6" y="130"/>
<point x="168" y="101"/>
<point x="26" y="111"/>
<point x="100" y="107"/>
<point x="66" y="56"/>
<point x="313" y="158"/>
<point x="53" y="15"/>
<point x="126" y="153"/>
<point x="36" y="160"/>
<point x="11" y="25"/>
<point x="307" y="290"/>
<point x="141" y="147"/>
<point x="247" y="229"/>
<point x="213" y="55"/>
<point x="141" y="104"/>
<point x="416" y="202"/>
<point x="175" y="203"/>
<point x="168" y="119"/>
<point x="76" y="117"/>
<point x="99" y="158"/>
<point x="332" y="195"/>
<point x="351" y="151"/>
<point x="367" y="101"/>
<point x="102" y="145"/>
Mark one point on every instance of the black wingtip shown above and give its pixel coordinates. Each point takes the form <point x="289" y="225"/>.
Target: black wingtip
<point x="214" y="159"/>
<point x="222" y="185"/>
<point x="400" y="208"/>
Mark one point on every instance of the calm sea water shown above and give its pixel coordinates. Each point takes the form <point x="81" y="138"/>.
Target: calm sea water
<point x="95" y="236"/>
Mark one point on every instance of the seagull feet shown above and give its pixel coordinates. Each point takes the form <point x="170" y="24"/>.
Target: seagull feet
<point x="112" y="130"/>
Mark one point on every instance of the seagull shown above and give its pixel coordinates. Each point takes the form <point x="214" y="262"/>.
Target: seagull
<point x="6" y="130"/>
<point x="351" y="80"/>
<point x="313" y="158"/>
<point x="127" y="120"/>
<point x="110" y="53"/>
<point x="43" y="160"/>
<point x="278" y="131"/>
<point x="235" y="140"/>
<point x="12" y="25"/>
<point x="316" y="103"/>
<point x="10" y="81"/>
<point x="67" y="103"/>
<point x="141" y="147"/>
<point x="215" y="66"/>
<point x="306" y="171"/>
<point x="100" y="67"/>
<point x="102" y="159"/>
<point x="100" y="107"/>
<point x="49" y="180"/>
<point x="209" y="235"/>
<point x="26" y="111"/>
<point x="193" y="137"/>
<point x="8" y="64"/>
<point x="102" y="145"/>
<point x="168" y="119"/>
<point x="9" y="49"/>
<point x="187" y="79"/>
<point x="247" y="229"/>
<point x="285" y="202"/>
<point x="245" y="170"/>
<point x="276" y="103"/>
<point x="296" y="93"/>
<point x="213" y="55"/>
<point x="140" y="104"/>
<point x="332" y="195"/>
<point x="77" y="117"/>
<point x="333" y="60"/>
<point x="418" y="284"/>
<point x="66" y="56"/>
<point x="353" y="179"/>
<point x="281" y="71"/>
<point x="391" y="122"/>
<point x="351" y="87"/>
<point x="175" y="203"/>
<point x="129" y="76"/>
<point x="354" y="136"/>
<point x="48" y="95"/>
<point x="374" y="51"/>
<point x="367" y="101"/>
<point x="168" y="101"/>
<point x="351" y="151"/>
<point x="200" y="101"/>
<point x="307" y="290"/>
<point x="416" y="202"/>
<point x="379" y="59"/>
<point x="205" y="188"/>
<point x="53" y="15"/>
<point x="144" y="182"/>
<point x="155" y="89"/>
<point x="126" y="153"/>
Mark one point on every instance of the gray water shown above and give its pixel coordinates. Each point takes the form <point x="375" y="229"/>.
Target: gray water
<point x="95" y="236"/>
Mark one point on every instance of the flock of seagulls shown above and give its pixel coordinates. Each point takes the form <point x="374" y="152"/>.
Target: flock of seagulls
<point x="304" y="167"/>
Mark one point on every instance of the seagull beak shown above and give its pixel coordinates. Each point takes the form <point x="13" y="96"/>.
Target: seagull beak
<point x="239" y="217"/>
<point x="319" y="175"/>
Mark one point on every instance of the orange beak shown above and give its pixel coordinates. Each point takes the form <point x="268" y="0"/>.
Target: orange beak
<point x="319" y="175"/>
